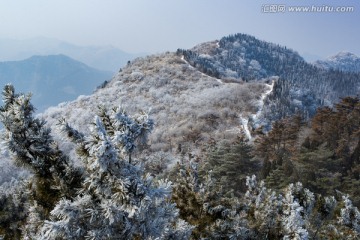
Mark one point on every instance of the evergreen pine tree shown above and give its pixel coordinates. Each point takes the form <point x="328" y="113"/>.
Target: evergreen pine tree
<point x="111" y="198"/>
<point x="230" y="164"/>
<point x="116" y="200"/>
<point x="32" y="146"/>
<point x="13" y="208"/>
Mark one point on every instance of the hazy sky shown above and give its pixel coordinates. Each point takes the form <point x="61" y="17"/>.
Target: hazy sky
<point x="160" y="25"/>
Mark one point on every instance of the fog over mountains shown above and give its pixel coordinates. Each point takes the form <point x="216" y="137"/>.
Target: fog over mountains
<point x="106" y="58"/>
<point x="51" y="79"/>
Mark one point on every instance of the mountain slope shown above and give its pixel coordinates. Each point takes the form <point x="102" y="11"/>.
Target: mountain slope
<point x="302" y="87"/>
<point x="215" y="90"/>
<point x="51" y="79"/>
<point x="205" y="95"/>
<point x="189" y="108"/>
<point x="343" y="61"/>
<point x="241" y="56"/>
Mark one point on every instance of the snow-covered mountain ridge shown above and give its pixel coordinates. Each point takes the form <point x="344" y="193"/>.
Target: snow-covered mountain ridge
<point x="189" y="108"/>
<point x="197" y="101"/>
<point x="214" y="90"/>
<point x="207" y="93"/>
<point x="344" y="61"/>
<point x="301" y="88"/>
<point x="241" y="56"/>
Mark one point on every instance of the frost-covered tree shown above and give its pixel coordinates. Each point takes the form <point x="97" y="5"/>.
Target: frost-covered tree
<point x="32" y="146"/>
<point x="293" y="212"/>
<point x="13" y="210"/>
<point x="214" y="214"/>
<point x="297" y="204"/>
<point x="297" y="213"/>
<point x="350" y="215"/>
<point x="111" y="198"/>
<point x="116" y="201"/>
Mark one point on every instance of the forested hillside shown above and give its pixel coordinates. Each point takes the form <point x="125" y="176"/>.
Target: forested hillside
<point x="112" y="195"/>
<point x="301" y="88"/>
<point x="170" y="150"/>
<point x="188" y="107"/>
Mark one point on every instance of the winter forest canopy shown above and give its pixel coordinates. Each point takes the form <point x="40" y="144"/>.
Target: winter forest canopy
<point x="178" y="171"/>
<point x="111" y="196"/>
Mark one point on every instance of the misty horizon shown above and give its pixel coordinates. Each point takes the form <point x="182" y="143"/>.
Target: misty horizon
<point x="158" y="26"/>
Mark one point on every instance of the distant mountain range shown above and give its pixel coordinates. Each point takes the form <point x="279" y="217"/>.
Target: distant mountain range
<point x="51" y="79"/>
<point x="106" y="58"/>
<point x="343" y="61"/>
